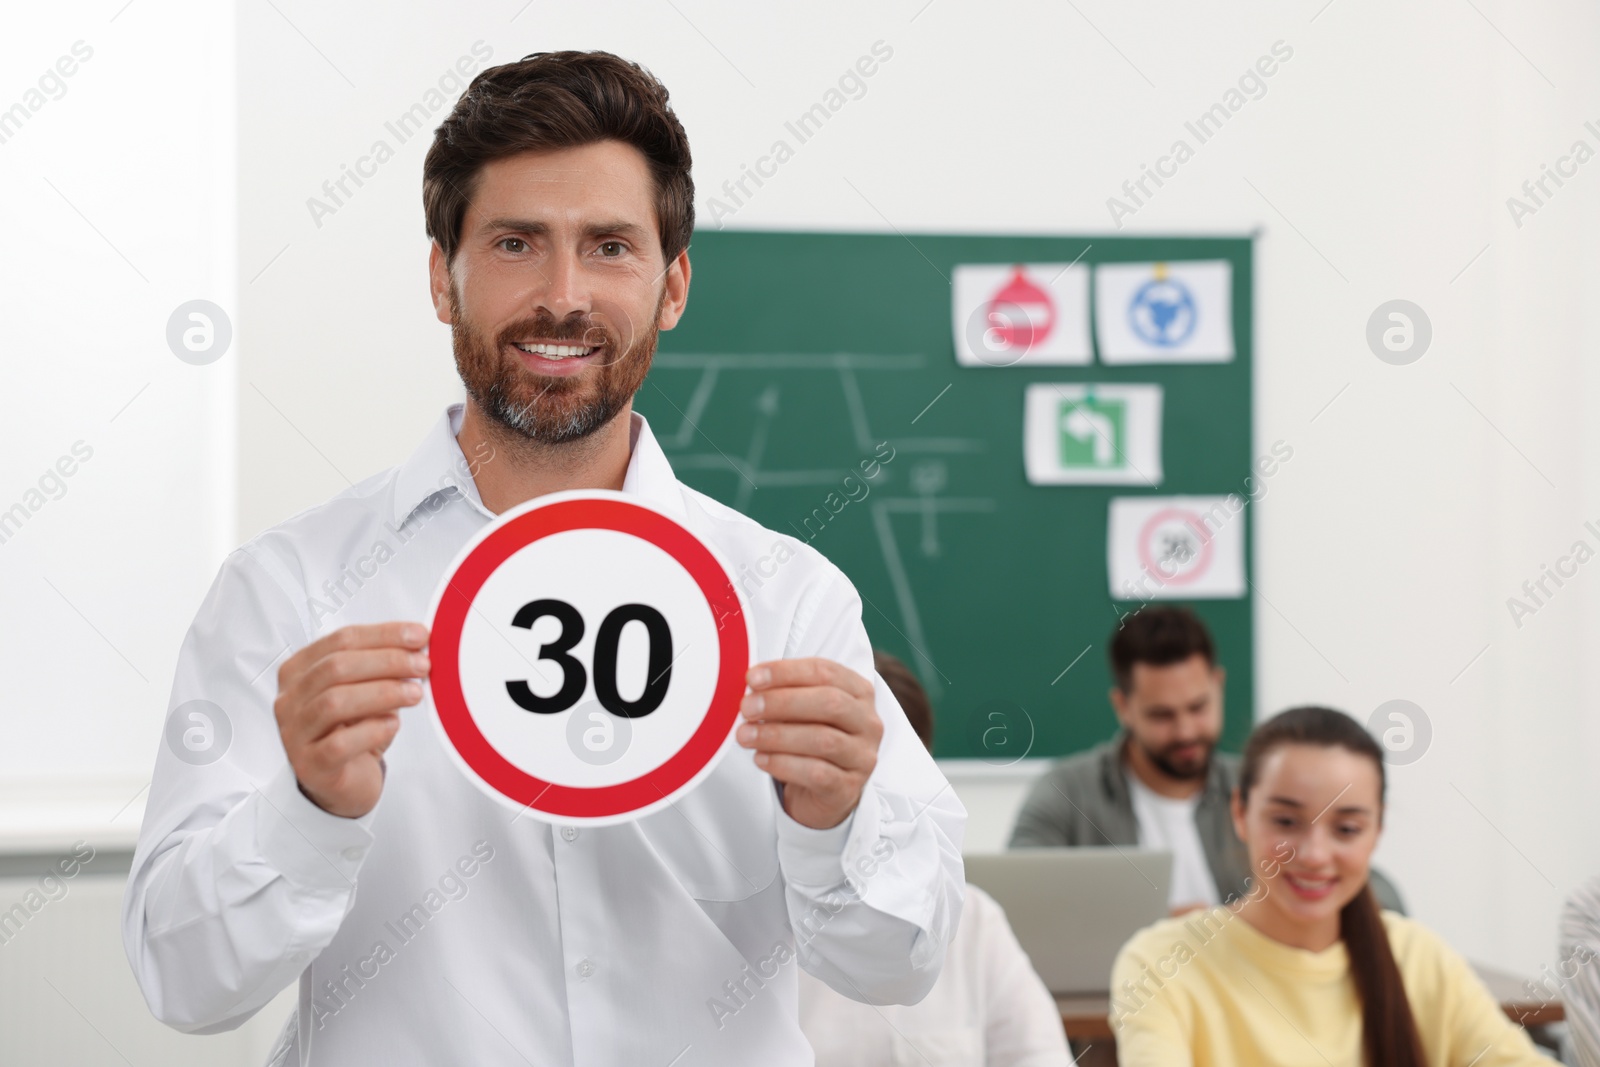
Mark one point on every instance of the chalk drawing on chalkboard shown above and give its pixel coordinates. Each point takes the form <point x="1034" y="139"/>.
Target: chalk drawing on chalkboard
<point x="927" y="459"/>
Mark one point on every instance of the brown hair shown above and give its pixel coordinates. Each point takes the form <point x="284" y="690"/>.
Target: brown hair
<point x="1388" y="1029"/>
<point x="913" y="699"/>
<point x="1159" y="637"/>
<point x="550" y="100"/>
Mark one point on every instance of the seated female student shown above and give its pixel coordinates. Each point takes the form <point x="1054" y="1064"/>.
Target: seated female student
<point x="1305" y="969"/>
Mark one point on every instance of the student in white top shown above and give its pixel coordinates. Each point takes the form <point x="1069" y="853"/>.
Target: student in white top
<point x="988" y="1007"/>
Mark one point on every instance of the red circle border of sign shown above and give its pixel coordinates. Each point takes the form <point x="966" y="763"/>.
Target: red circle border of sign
<point x="608" y="801"/>
<point x="1194" y="522"/>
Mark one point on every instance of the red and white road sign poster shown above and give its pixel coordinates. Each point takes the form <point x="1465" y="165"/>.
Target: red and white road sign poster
<point x="1010" y="315"/>
<point x="589" y="655"/>
<point x="1176" y="547"/>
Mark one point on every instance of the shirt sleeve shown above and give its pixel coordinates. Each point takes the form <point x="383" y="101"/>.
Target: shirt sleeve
<point x="238" y="880"/>
<point x="1146" y="1020"/>
<point x="1045" y="820"/>
<point x="874" y="901"/>
<point x="1580" y="943"/>
<point x="1022" y="1025"/>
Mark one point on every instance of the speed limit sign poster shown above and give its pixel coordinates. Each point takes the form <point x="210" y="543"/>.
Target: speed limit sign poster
<point x="589" y="656"/>
<point x="1176" y="547"/>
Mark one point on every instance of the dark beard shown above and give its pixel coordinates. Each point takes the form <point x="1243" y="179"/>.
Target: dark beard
<point x="1175" y="772"/>
<point x="561" y="409"/>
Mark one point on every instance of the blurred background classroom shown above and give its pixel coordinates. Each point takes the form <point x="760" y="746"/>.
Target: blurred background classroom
<point x="1349" y="311"/>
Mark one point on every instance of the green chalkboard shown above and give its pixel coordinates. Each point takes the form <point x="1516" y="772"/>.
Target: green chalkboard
<point x="801" y="354"/>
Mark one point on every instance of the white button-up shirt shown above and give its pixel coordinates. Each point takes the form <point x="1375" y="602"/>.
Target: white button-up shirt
<point x="441" y="928"/>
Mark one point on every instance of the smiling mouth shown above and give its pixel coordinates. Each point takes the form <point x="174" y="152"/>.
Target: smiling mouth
<point x="556" y="351"/>
<point x="1311" y="888"/>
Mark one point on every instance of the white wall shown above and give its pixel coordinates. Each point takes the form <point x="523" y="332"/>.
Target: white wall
<point x="70" y="997"/>
<point x="117" y="460"/>
<point x="116" y="195"/>
<point x="1376" y="166"/>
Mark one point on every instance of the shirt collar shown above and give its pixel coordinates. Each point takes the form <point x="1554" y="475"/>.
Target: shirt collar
<point x="439" y="466"/>
<point x="649" y="474"/>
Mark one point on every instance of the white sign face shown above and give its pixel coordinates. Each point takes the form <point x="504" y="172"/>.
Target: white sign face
<point x="588" y="658"/>
<point x="1026" y="314"/>
<point x="1092" y="434"/>
<point x="1176" y="547"/>
<point x="1164" y="312"/>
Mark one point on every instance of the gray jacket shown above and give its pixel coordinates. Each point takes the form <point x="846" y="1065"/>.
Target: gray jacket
<point x="1083" y="800"/>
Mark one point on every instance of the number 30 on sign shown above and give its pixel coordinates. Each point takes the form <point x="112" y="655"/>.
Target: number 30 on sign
<point x="589" y="655"/>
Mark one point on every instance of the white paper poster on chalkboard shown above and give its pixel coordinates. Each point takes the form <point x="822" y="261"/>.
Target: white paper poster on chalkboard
<point x="1164" y="312"/>
<point x="1023" y="314"/>
<point x="1176" y="547"/>
<point x="1092" y="434"/>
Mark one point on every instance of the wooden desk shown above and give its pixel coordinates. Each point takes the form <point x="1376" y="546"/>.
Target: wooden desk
<point x="1515" y="1001"/>
<point x="1087" y="1016"/>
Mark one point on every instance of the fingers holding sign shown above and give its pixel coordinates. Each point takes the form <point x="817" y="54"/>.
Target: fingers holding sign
<point x="814" y="727"/>
<point x="338" y="709"/>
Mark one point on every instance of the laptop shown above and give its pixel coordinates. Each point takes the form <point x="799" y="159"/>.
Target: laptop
<point x="1072" y="909"/>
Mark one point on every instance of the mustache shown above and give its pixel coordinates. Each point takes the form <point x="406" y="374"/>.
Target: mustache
<point x="588" y="329"/>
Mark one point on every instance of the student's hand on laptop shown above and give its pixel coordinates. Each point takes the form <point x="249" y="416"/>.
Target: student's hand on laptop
<point x="814" y="727"/>
<point x="338" y="709"/>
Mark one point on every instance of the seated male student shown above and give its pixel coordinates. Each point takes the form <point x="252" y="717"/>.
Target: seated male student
<point x="1159" y="783"/>
<point x="1306" y="970"/>
<point x="987" y="1007"/>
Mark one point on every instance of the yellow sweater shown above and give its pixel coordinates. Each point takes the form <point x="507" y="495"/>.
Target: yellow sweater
<point x="1210" y="990"/>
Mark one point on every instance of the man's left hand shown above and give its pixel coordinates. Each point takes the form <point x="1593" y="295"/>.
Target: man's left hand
<point x="814" y="728"/>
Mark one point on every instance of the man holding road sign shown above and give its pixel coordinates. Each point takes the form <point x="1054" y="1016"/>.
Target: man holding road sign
<point x="435" y="918"/>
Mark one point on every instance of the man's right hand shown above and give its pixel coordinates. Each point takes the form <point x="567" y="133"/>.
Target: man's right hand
<point x="338" y="709"/>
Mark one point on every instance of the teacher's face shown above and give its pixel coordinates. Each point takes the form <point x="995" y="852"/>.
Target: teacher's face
<point x="558" y="289"/>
